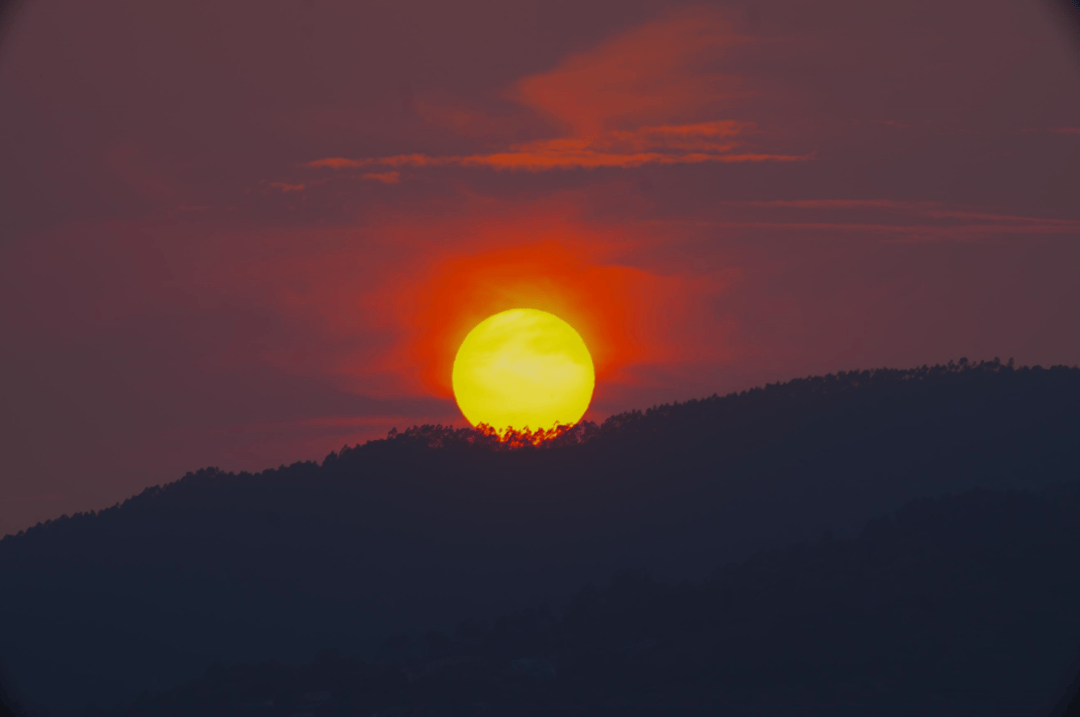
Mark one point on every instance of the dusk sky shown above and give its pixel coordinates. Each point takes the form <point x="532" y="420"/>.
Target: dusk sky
<point x="245" y="233"/>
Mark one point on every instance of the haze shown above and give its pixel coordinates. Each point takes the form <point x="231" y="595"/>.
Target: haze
<point x="243" y="234"/>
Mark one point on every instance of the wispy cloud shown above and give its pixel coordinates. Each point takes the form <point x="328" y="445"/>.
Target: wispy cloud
<point x="647" y="76"/>
<point x="662" y="144"/>
<point x="636" y="100"/>
<point x="930" y="231"/>
<point x="929" y="209"/>
<point x="825" y="203"/>
<point x="918" y="220"/>
<point x="384" y="177"/>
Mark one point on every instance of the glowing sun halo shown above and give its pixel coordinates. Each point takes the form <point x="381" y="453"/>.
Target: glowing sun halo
<point x="523" y="368"/>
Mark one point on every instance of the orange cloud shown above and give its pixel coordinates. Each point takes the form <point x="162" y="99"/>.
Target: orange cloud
<point x="384" y="177"/>
<point x="646" y="76"/>
<point x="333" y="163"/>
<point x="670" y="144"/>
<point x="639" y="99"/>
<point x="555" y="154"/>
<point x="827" y="203"/>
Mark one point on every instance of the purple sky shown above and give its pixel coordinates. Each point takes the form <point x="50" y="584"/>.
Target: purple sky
<point x="245" y="233"/>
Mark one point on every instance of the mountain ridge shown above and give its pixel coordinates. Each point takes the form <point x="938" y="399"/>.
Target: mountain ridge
<point x="626" y="425"/>
<point x="905" y="618"/>
<point x="426" y="527"/>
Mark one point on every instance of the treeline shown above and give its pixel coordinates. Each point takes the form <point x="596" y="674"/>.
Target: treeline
<point x="966" y="604"/>
<point x="680" y="420"/>
<point x="431" y="525"/>
<point x="682" y="416"/>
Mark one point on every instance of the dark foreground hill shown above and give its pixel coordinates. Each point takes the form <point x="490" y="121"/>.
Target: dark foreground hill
<point x="431" y="526"/>
<point x="962" y="605"/>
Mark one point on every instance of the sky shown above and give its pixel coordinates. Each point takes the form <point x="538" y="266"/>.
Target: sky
<point x="244" y="234"/>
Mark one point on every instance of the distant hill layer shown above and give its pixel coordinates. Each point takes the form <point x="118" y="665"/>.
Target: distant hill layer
<point x="964" y="605"/>
<point x="433" y="525"/>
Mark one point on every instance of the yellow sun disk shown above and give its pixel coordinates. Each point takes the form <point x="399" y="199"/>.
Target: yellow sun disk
<point x="523" y="368"/>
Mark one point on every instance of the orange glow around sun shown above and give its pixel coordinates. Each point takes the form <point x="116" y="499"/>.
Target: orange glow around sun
<point x="544" y="258"/>
<point x="523" y="368"/>
<point x="614" y="308"/>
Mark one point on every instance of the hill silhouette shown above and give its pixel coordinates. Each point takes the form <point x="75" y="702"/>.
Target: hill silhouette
<point x="433" y="525"/>
<point x="965" y="604"/>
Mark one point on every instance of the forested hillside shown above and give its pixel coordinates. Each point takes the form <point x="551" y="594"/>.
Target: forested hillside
<point x="432" y="526"/>
<point x="961" y="605"/>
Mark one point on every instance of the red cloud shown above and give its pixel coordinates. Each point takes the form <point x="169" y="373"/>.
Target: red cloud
<point x="676" y="144"/>
<point x="333" y="163"/>
<point x="384" y="177"/>
<point x="641" y="98"/>
<point x="649" y="75"/>
<point x="555" y="154"/>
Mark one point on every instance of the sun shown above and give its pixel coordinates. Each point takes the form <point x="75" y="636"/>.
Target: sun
<point x="523" y="368"/>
